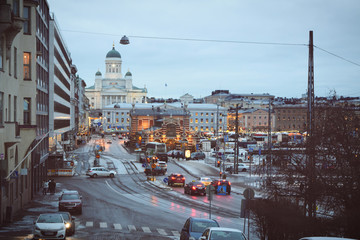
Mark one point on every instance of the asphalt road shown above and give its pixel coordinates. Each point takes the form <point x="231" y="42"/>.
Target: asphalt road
<point x="128" y="206"/>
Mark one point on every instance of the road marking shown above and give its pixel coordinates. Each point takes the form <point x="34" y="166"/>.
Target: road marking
<point x="146" y="229"/>
<point x="132" y="228"/>
<point x="103" y="225"/>
<point x="176" y="233"/>
<point x="117" y="226"/>
<point x="89" y="224"/>
<point x="161" y="231"/>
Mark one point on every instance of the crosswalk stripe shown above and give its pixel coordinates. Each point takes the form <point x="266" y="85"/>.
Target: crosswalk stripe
<point x="132" y="228"/>
<point x="161" y="231"/>
<point x="89" y="224"/>
<point x="103" y="225"/>
<point x="117" y="226"/>
<point x="176" y="233"/>
<point x="146" y="229"/>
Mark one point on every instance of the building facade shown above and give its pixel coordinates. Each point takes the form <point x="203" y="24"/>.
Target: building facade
<point x="62" y="92"/>
<point x="290" y="117"/>
<point x="114" y="87"/>
<point x="17" y="104"/>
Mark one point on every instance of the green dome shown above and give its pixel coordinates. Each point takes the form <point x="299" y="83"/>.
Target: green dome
<point x="98" y="73"/>
<point x="113" y="53"/>
<point x="128" y="74"/>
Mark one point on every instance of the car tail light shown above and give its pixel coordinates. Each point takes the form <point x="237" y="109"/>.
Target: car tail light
<point x="173" y="178"/>
<point x="194" y="188"/>
<point x="229" y="183"/>
<point x="218" y="183"/>
<point x="183" y="178"/>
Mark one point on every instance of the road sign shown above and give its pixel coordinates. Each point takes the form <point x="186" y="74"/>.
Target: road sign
<point x="153" y="165"/>
<point x="210" y="192"/>
<point x="251" y="149"/>
<point x="166" y="180"/>
<point x="259" y="151"/>
<point x="249" y="193"/>
<point x="221" y="190"/>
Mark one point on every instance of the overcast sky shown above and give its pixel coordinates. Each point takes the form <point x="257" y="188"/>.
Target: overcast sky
<point x="90" y="27"/>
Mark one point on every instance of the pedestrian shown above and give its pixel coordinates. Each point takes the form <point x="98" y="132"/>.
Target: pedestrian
<point x="52" y="186"/>
<point x="45" y="185"/>
<point x="172" y="155"/>
<point x="178" y="156"/>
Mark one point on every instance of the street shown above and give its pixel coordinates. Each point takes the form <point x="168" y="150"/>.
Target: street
<point x="129" y="206"/>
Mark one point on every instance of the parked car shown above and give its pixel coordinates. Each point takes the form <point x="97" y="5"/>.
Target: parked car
<point x="49" y="226"/>
<point x="69" y="223"/>
<point x="195" y="188"/>
<point x="194" y="227"/>
<point x="70" y="201"/>
<point x="219" y="233"/>
<point x="205" y="180"/>
<point x="218" y="183"/>
<point x="100" y="172"/>
<point x="242" y="167"/>
<point x="176" y="179"/>
<point x="230" y="157"/>
<point x="197" y="155"/>
<point x="149" y="171"/>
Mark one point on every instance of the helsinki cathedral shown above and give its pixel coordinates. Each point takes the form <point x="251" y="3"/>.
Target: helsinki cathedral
<point x="113" y="87"/>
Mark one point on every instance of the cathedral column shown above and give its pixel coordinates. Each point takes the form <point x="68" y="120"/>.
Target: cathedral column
<point x="110" y="99"/>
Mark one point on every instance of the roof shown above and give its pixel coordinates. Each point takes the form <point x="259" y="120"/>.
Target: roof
<point x="91" y="87"/>
<point x="113" y="53"/>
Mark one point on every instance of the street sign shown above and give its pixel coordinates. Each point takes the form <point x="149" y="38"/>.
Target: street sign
<point x="165" y="180"/>
<point x="251" y="149"/>
<point x="210" y="192"/>
<point x="259" y="151"/>
<point x="221" y="190"/>
<point x="249" y="193"/>
<point x="153" y="165"/>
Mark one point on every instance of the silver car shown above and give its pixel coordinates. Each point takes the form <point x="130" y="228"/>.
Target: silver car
<point x="100" y="172"/>
<point x="49" y="226"/>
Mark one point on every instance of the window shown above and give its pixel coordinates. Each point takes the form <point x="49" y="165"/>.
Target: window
<point x="16" y="8"/>
<point x="15" y="108"/>
<point x="27" y="65"/>
<point x="27" y="111"/>
<point x="15" y="62"/>
<point x="1" y="108"/>
<point x="196" y="120"/>
<point x="26" y="16"/>
<point x="1" y="58"/>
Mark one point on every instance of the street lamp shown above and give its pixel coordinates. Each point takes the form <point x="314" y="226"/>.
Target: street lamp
<point x="124" y="40"/>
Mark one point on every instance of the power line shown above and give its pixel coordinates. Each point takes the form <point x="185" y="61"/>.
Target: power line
<point x="193" y="39"/>
<point x="335" y="55"/>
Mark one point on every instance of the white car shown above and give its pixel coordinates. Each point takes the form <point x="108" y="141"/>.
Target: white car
<point x="100" y="172"/>
<point x="49" y="226"/>
<point x="230" y="157"/>
<point x="220" y="233"/>
<point x="242" y="167"/>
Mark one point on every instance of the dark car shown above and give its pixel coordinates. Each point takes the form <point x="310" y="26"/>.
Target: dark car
<point x="195" y="188"/>
<point x="176" y="179"/>
<point x="69" y="223"/>
<point x="154" y="171"/>
<point x="197" y="155"/>
<point x="70" y="201"/>
<point x="194" y="227"/>
<point x="221" y="185"/>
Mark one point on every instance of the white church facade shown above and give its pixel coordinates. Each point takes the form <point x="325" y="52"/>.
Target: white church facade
<point x="113" y="87"/>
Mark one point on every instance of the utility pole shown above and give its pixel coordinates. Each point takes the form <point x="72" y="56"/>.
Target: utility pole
<point x="310" y="200"/>
<point x="217" y="135"/>
<point x="236" y="161"/>
<point x="268" y="163"/>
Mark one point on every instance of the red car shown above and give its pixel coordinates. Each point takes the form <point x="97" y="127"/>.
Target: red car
<point x="219" y="183"/>
<point x="70" y="201"/>
<point x="176" y="179"/>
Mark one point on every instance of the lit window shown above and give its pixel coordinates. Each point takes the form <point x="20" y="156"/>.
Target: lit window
<point x="196" y="120"/>
<point x="27" y="65"/>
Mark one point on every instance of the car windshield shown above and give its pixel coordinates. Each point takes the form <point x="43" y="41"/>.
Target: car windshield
<point x="226" y="235"/>
<point x="65" y="216"/>
<point x="69" y="197"/>
<point x="201" y="226"/>
<point x="50" y="218"/>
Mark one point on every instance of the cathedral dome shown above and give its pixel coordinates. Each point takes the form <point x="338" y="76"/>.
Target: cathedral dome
<point x="113" y="53"/>
<point x="98" y="73"/>
<point x="128" y="74"/>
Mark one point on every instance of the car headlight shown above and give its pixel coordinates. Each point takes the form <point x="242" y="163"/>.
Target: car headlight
<point x="67" y="225"/>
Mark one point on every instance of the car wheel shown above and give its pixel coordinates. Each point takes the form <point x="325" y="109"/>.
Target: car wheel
<point x="112" y="175"/>
<point x="184" y="190"/>
<point x="244" y="170"/>
<point x="229" y="192"/>
<point x="95" y="175"/>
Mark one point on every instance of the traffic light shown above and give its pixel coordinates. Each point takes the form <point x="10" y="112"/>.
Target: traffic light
<point x="218" y="163"/>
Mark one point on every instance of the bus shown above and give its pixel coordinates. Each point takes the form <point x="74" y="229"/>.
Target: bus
<point x="157" y="149"/>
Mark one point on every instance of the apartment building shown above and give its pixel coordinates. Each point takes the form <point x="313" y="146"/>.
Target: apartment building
<point x="290" y="117"/>
<point x="62" y="100"/>
<point x="18" y="55"/>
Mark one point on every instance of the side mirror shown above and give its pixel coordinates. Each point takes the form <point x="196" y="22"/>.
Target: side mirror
<point x="185" y="230"/>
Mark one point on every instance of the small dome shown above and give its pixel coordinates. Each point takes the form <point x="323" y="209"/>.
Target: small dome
<point x="128" y="74"/>
<point x="113" y="53"/>
<point x="98" y="73"/>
